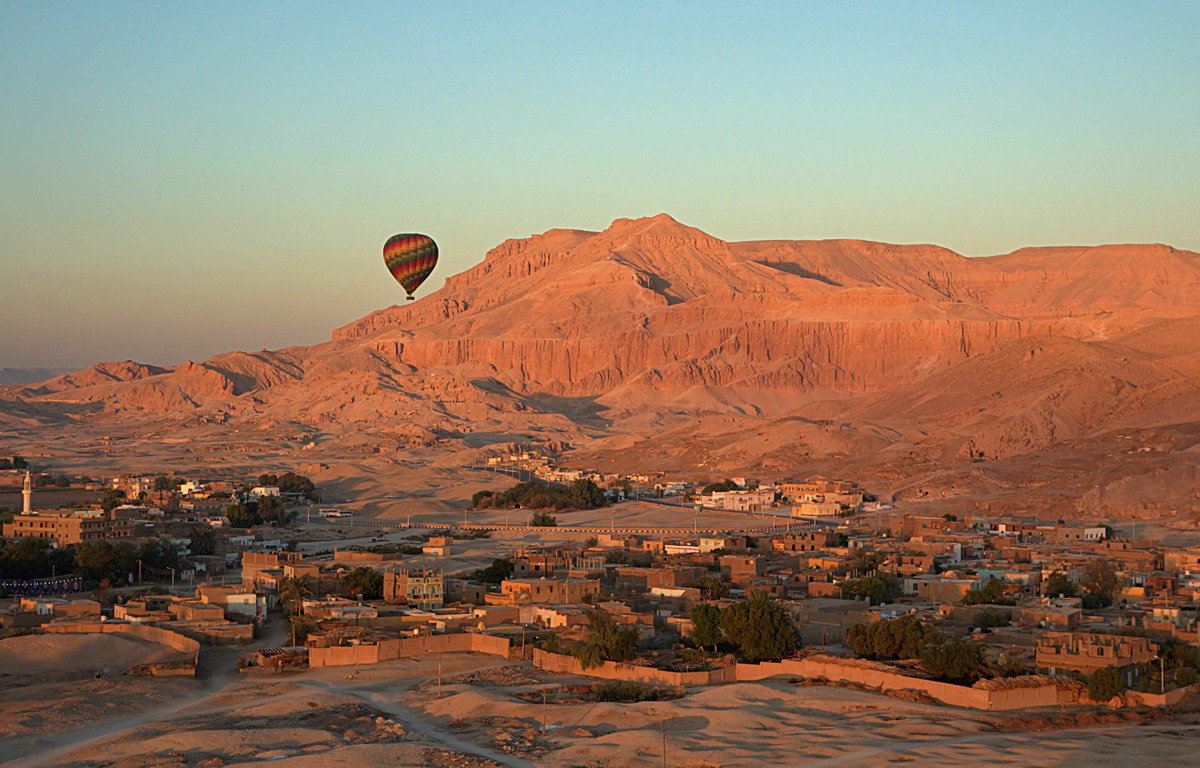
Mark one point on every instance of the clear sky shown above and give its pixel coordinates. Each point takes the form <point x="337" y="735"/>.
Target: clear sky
<point x="183" y="179"/>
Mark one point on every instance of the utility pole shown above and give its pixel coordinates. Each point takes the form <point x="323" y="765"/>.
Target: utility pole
<point x="439" y="685"/>
<point x="663" y="727"/>
<point x="543" y="710"/>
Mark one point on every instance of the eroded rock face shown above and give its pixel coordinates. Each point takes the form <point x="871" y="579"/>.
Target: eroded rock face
<point x="786" y="351"/>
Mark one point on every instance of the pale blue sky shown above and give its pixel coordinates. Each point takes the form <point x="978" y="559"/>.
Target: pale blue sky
<point x="178" y="180"/>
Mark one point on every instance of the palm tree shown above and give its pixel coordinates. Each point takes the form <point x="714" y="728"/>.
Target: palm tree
<point x="292" y="592"/>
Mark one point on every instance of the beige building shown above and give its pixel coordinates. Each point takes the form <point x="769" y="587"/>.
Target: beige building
<point x="522" y="591"/>
<point x="65" y="527"/>
<point x="1087" y="651"/>
<point x="420" y="589"/>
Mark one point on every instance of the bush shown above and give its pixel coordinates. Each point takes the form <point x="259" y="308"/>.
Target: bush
<point x="543" y="520"/>
<point x="367" y="582"/>
<point x="1105" y="684"/>
<point x="631" y="692"/>
<point x="878" y="589"/>
<point x="761" y="629"/>
<point x="890" y="639"/>
<point x="581" y="494"/>
<point x="990" y="618"/>
<point x="1185" y="676"/>
<point x="954" y="662"/>
<point x="991" y="593"/>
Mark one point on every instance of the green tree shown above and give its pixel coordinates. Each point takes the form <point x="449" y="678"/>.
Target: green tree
<point x="500" y="569"/>
<point x="367" y="582"/>
<point x="990" y="618"/>
<point x="239" y="516"/>
<point x="292" y="593"/>
<point x="157" y="554"/>
<point x="1104" y="684"/>
<point x="879" y="589"/>
<point x="29" y="557"/>
<point x="901" y="638"/>
<point x="271" y="510"/>
<point x="612" y="642"/>
<point x="1185" y="676"/>
<point x="97" y="561"/>
<point x="1100" y="578"/>
<point x="111" y="498"/>
<point x="585" y="494"/>
<point x="721" y="485"/>
<point x="203" y="540"/>
<point x="991" y="593"/>
<point x="706" y="625"/>
<point x="1058" y="584"/>
<point x="543" y="519"/>
<point x="761" y="629"/>
<point x="955" y="662"/>
<point x="711" y="587"/>
<point x="162" y="484"/>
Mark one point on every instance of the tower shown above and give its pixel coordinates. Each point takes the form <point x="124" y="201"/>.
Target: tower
<point x="27" y="495"/>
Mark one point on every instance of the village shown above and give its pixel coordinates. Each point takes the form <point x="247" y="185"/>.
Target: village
<point x="813" y="579"/>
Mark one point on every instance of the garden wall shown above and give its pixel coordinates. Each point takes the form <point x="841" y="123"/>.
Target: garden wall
<point x="1035" y="692"/>
<point x="395" y="648"/>
<point x="185" y="645"/>
<point x="612" y="670"/>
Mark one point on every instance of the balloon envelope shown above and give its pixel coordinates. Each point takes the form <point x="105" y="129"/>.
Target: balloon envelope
<point x="410" y="258"/>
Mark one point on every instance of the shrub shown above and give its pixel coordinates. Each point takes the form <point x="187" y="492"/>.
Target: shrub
<point x="902" y="638"/>
<point x="630" y="692"/>
<point x="1105" y="684"/>
<point x="954" y="662"/>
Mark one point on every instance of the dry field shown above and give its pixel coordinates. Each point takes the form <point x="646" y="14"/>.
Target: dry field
<point x="487" y="712"/>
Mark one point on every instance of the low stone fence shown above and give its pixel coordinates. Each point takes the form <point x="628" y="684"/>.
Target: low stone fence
<point x="395" y="648"/>
<point x="612" y="670"/>
<point x="1163" y="699"/>
<point x="1012" y="693"/>
<point x="185" y="645"/>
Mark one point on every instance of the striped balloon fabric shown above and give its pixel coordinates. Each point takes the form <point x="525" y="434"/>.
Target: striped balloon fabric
<point x="410" y="258"/>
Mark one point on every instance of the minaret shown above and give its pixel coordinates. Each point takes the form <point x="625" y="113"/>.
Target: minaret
<point x="27" y="494"/>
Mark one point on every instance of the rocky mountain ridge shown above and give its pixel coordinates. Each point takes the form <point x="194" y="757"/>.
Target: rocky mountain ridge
<point x="849" y="353"/>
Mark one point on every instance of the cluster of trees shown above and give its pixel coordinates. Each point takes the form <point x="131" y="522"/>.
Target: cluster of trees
<point x="891" y="639"/>
<point x="28" y="557"/>
<point x="606" y="641"/>
<point x="13" y="462"/>
<point x="711" y="587"/>
<point x="756" y="629"/>
<point x="720" y="485"/>
<point x="879" y="588"/>
<point x="99" y="561"/>
<point x="267" y="509"/>
<point x="290" y="482"/>
<point x="991" y="593"/>
<point x="96" y="561"/>
<point x="367" y="582"/>
<point x="581" y="494"/>
<point x="543" y="519"/>
<point x="1097" y="586"/>
<point x="500" y="569"/>
<point x="953" y="661"/>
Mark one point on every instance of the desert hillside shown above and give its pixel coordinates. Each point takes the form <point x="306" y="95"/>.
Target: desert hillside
<point x="653" y="344"/>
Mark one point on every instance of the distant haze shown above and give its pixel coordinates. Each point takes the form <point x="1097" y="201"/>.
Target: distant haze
<point x="183" y="180"/>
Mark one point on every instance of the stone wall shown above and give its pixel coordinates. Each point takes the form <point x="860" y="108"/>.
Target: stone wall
<point x="611" y="670"/>
<point x="185" y="645"/>
<point x="395" y="648"/>
<point x="1034" y="692"/>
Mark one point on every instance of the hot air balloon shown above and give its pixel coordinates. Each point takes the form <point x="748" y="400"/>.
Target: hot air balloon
<point x="410" y="258"/>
